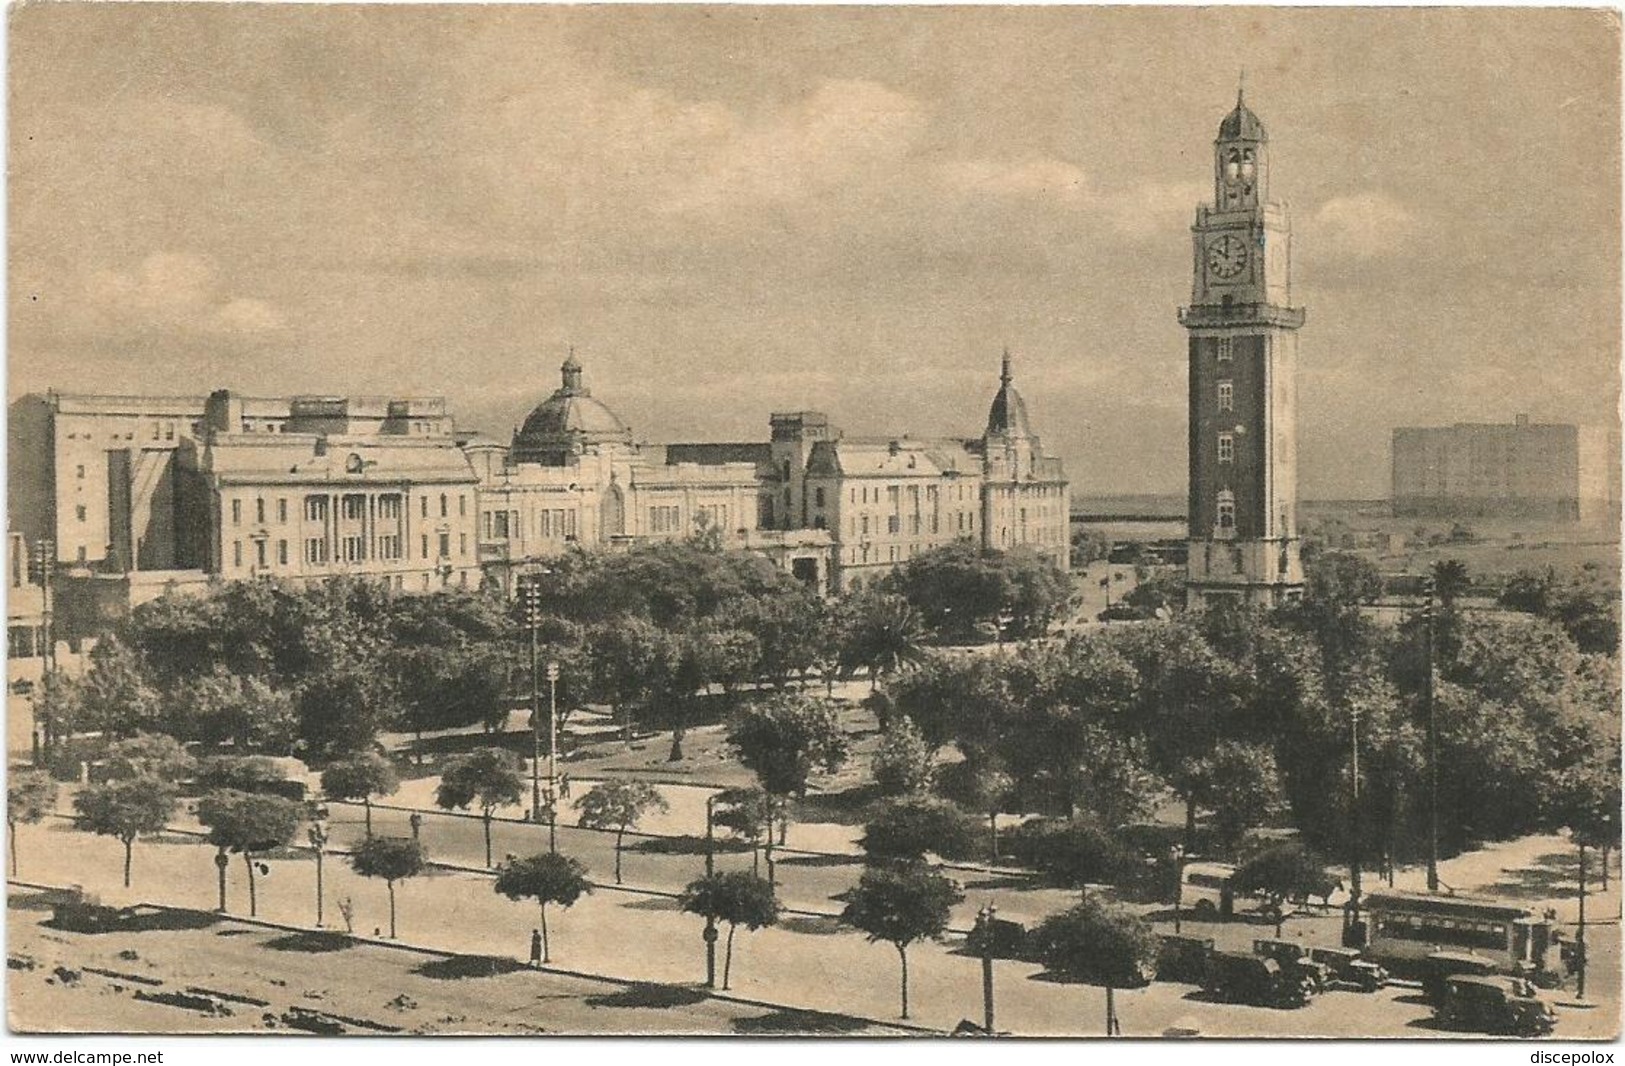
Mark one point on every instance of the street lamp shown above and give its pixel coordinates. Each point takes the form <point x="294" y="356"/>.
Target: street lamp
<point x="984" y="921"/>
<point x="1432" y="736"/>
<point x="1353" y="911"/>
<point x="710" y="934"/>
<point x="318" y="842"/>
<point x="1179" y="882"/>
<point x="221" y="861"/>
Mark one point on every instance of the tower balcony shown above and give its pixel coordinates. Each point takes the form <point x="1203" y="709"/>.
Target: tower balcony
<point x="1213" y="315"/>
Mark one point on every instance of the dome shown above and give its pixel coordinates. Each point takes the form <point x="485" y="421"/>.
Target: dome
<point x="1008" y="415"/>
<point x="567" y="421"/>
<point x="1241" y="125"/>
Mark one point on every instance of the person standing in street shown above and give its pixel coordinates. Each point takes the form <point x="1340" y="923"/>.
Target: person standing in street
<point x="536" y="949"/>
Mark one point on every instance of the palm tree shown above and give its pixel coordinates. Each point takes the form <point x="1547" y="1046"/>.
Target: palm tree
<point x="1450" y="580"/>
<point x="881" y="631"/>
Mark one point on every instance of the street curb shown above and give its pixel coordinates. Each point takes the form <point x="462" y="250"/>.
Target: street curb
<point x="584" y="975"/>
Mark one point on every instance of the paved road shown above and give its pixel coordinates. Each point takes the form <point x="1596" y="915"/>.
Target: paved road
<point x="808" y="963"/>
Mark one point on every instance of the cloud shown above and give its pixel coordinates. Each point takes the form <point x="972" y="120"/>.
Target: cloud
<point x="1033" y="178"/>
<point x="1154" y="208"/>
<point x="174" y="291"/>
<point x="1364" y="225"/>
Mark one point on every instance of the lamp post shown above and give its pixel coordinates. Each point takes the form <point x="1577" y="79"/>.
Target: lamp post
<point x="221" y="861"/>
<point x="710" y="934"/>
<point x="552" y="755"/>
<point x="318" y="842"/>
<point x="1580" y="931"/>
<point x="1179" y="883"/>
<point x="532" y="593"/>
<point x="984" y="920"/>
<point x="1354" y="818"/>
<point x="45" y="563"/>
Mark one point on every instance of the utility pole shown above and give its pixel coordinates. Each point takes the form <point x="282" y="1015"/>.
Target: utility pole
<point x="45" y="563"/>
<point x="532" y="593"/>
<point x="552" y="756"/>
<point x="318" y="842"/>
<point x="1580" y="933"/>
<point x="1432" y="736"/>
<point x="1354" y="816"/>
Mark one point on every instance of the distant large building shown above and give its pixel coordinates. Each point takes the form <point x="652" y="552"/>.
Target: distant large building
<point x="1519" y="470"/>
<point x="137" y="494"/>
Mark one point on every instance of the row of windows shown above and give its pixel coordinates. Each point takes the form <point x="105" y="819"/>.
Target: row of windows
<point x="352" y="549"/>
<point x="353" y="506"/>
<point x="665" y="519"/>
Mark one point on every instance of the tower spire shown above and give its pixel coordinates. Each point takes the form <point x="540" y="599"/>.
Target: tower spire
<point x="1004" y="371"/>
<point x="1241" y="88"/>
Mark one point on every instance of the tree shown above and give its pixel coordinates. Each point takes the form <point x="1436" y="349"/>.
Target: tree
<point x="115" y="695"/>
<point x="747" y="813"/>
<point x="1096" y="944"/>
<point x="911" y="827"/>
<point x="1073" y="853"/>
<point x="900" y="904"/>
<point x="156" y="755"/>
<point x="248" y="823"/>
<point x="125" y="810"/>
<point x="619" y="805"/>
<point x="1342" y="578"/>
<point x="30" y="796"/>
<point x="360" y="777"/>
<point x="546" y="878"/>
<point x="738" y="898"/>
<point x="903" y="763"/>
<point x="1238" y="782"/>
<point x="1286" y="871"/>
<point x="488" y="777"/>
<point x="393" y="859"/>
<point x="880" y="632"/>
<point x="250" y="773"/>
<point x="219" y="708"/>
<point x="784" y="738"/>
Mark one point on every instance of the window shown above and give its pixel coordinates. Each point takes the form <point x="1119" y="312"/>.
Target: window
<point x="462" y="544"/>
<point x="316" y="509"/>
<point x="354" y="548"/>
<point x="79" y="471"/>
<point x="462" y="506"/>
<point x="236" y="512"/>
<point x="892" y="523"/>
<point x="496" y="524"/>
<point x="259" y="553"/>
<point x="315" y="550"/>
<point x="445" y="544"/>
<point x="355" y="507"/>
<point x="1223" y="346"/>
<point x="1227" y="447"/>
<point x="237" y="553"/>
<point x="79" y="512"/>
<point x="389" y="547"/>
<point x="282" y="511"/>
<point x="425" y="510"/>
<point x="1227" y="511"/>
<point x="425" y="545"/>
<point x="818" y="497"/>
<point x="865" y="524"/>
<point x="282" y="553"/>
<point x="389" y="508"/>
<point x="259" y="512"/>
<point x="442" y="505"/>
<point x="1227" y="396"/>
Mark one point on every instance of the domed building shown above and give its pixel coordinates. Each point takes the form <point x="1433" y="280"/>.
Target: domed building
<point x="567" y="423"/>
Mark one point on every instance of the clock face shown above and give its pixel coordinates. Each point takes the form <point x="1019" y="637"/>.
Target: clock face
<point x="1226" y="256"/>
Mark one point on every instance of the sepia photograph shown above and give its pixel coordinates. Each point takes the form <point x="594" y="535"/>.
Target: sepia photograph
<point x="743" y="520"/>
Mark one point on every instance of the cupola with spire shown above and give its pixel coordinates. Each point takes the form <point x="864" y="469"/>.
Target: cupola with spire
<point x="1008" y="415"/>
<point x="567" y="422"/>
<point x="1240" y="158"/>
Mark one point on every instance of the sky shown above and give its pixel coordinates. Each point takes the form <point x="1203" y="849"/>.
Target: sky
<point x="729" y="211"/>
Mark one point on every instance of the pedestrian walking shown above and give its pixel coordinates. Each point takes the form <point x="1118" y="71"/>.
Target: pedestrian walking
<point x="417" y="823"/>
<point x="564" y="785"/>
<point x="536" y="949"/>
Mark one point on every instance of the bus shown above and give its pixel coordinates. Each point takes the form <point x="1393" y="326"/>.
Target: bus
<point x="1403" y="928"/>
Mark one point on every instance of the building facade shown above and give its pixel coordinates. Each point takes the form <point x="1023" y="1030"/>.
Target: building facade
<point x="1243" y="358"/>
<point x="1522" y="469"/>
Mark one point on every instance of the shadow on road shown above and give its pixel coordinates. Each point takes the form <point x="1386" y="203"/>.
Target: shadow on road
<point x="651" y="996"/>
<point x="314" y="943"/>
<point x="820" y="861"/>
<point x="653" y="903"/>
<point x="819" y="925"/>
<point x="787" y="1022"/>
<point x="462" y="967"/>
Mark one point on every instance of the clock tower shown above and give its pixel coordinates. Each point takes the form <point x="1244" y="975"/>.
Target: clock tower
<point x="1243" y="351"/>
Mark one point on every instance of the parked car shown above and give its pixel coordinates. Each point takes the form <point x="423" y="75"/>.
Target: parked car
<point x="1236" y="977"/>
<point x="1440" y="966"/>
<point x="1295" y="957"/>
<point x="1505" y="1005"/>
<point x="1347" y="968"/>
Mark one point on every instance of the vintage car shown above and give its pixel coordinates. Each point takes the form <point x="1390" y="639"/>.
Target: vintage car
<point x="1443" y="965"/>
<point x="1236" y="977"/>
<point x="1347" y="968"/>
<point x="1504" y="1005"/>
<point x="1294" y="957"/>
